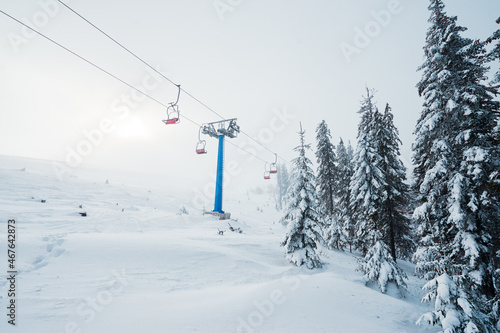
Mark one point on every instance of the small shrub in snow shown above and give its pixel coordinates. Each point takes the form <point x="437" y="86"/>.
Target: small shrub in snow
<point x="183" y="211"/>
<point x="334" y="236"/>
<point x="379" y="267"/>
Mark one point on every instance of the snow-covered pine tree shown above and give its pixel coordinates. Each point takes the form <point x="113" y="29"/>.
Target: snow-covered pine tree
<point x="495" y="303"/>
<point x="453" y="156"/>
<point x="494" y="187"/>
<point x="379" y="267"/>
<point x="395" y="225"/>
<point x="327" y="185"/>
<point x="283" y="184"/>
<point x="367" y="182"/>
<point x="302" y="217"/>
<point x="494" y="54"/>
<point x="327" y="169"/>
<point x="380" y="193"/>
<point x="343" y="193"/>
<point x="350" y="152"/>
<point x="452" y="308"/>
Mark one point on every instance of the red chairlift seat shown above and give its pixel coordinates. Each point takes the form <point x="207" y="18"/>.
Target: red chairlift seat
<point x="171" y="121"/>
<point x="267" y="172"/>
<point x="273" y="170"/>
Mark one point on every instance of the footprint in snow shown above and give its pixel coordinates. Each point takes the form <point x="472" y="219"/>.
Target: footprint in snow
<point x="58" y="252"/>
<point x="53" y="251"/>
<point x="38" y="260"/>
<point x="53" y="242"/>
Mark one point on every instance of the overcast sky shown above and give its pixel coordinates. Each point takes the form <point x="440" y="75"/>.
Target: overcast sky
<point x="270" y="64"/>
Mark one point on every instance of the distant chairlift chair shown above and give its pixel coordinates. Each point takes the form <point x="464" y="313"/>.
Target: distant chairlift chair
<point x="267" y="172"/>
<point x="273" y="169"/>
<point x="200" y="147"/>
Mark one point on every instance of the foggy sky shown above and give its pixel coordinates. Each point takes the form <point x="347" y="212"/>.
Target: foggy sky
<point x="270" y="64"/>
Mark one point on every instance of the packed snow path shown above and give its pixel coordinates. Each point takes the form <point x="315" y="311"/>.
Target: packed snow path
<point x="135" y="264"/>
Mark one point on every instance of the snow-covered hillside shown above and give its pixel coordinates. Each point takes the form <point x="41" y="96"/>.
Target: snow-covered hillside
<point x="138" y="262"/>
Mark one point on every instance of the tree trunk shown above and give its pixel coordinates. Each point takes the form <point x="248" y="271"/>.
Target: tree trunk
<point x="392" y="241"/>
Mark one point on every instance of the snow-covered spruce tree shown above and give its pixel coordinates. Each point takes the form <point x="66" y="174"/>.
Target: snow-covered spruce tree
<point x="495" y="308"/>
<point x="453" y="158"/>
<point x="381" y="192"/>
<point x="494" y="187"/>
<point x="452" y="308"/>
<point x="380" y="267"/>
<point x="327" y="169"/>
<point x="327" y="183"/>
<point x="283" y="184"/>
<point x="367" y="182"/>
<point x="494" y="54"/>
<point x="350" y="152"/>
<point x="395" y="226"/>
<point x="302" y="217"/>
<point x="495" y="184"/>
<point x="343" y="193"/>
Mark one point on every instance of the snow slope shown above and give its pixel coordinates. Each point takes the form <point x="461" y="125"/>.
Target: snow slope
<point x="136" y="264"/>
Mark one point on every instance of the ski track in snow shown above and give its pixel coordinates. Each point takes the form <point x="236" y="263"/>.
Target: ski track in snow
<point x="134" y="265"/>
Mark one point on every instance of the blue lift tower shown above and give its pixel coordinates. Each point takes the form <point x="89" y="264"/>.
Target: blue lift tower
<point x="220" y="130"/>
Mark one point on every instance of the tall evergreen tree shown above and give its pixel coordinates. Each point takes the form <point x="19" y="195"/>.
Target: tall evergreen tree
<point x="327" y="185"/>
<point x="494" y="54"/>
<point x="350" y="151"/>
<point x="367" y="182"/>
<point x="494" y="187"/>
<point x="453" y="162"/>
<point x="283" y="184"/>
<point x="377" y="192"/>
<point x="343" y="193"/>
<point x="395" y="225"/>
<point x="327" y="169"/>
<point x="303" y="220"/>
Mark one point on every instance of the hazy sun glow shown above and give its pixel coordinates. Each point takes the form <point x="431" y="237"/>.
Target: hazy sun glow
<point x="131" y="127"/>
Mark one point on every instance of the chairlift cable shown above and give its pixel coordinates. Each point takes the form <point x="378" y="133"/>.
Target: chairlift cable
<point x="246" y="151"/>
<point x="114" y="40"/>
<point x="120" y="80"/>
<point x="140" y="59"/>
<point x="263" y="146"/>
<point x="93" y="64"/>
<point x="161" y="74"/>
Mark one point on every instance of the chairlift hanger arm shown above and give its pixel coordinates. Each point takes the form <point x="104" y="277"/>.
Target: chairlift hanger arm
<point x="178" y="95"/>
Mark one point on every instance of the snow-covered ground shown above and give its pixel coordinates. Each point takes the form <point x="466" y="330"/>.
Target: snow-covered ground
<point x="135" y="263"/>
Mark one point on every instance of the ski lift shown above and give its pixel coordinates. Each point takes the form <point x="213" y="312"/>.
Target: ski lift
<point x="173" y="114"/>
<point x="267" y="172"/>
<point x="200" y="146"/>
<point x="273" y="169"/>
